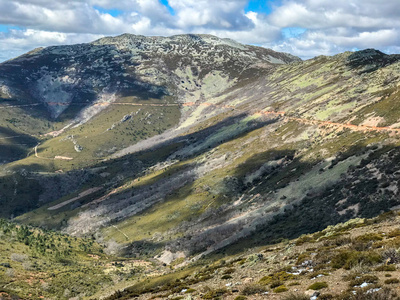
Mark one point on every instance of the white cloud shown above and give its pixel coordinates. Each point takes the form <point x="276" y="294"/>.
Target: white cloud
<point x="261" y="32"/>
<point x="336" y="26"/>
<point x="358" y="14"/>
<point x="17" y="42"/>
<point x="74" y="18"/>
<point x="222" y="14"/>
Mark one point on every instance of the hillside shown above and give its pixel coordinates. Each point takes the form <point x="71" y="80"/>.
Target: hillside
<point x="63" y="87"/>
<point x="37" y="264"/>
<point x="177" y="148"/>
<point x="355" y="260"/>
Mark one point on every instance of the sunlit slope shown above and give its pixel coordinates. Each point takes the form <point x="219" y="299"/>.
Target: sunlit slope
<point x="128" y="88"/>
<point x="277" y="152"/>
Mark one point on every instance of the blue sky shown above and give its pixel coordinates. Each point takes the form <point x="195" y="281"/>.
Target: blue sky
<point x="260" y="6"/>
<point x="305" y="28"/>
<point x="113" y="12"/>
<point x="166" y="4"/>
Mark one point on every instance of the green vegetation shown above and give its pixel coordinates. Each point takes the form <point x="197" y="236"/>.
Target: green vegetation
<point x="386" y="268"/>
<point x="51" y="264"/>
<point x="350" y="259"/>
<point x="392" y="281"/>
<point x="369" y="237"/>
<point x="252" y="289"/>
<point x="281" y="276"/>
<point x="213" y="174"/>
<point x="318" y="286"/>
<point x="358" y="280"/>
<point x="280" y="289"/>
<point x="213" y="294"/>
<point x="296" y="297"/>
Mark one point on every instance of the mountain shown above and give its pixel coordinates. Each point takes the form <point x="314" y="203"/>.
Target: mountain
<point x="65" y="86"/>
<point x="178" y="148"/>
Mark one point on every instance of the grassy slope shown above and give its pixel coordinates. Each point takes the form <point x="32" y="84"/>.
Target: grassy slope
<point x="316" y="161"/>
<point x="344" y="256"/>
<point x="327" y="78"/>
<point x="37" y="264"/>
<point x="96" y="141"/>
<point x="335" y="261"/>
<point x="246" y="154"/>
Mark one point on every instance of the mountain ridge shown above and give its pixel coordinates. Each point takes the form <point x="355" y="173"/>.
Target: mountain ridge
<point x="176" y="149"/>
<point x="189" y="152"/>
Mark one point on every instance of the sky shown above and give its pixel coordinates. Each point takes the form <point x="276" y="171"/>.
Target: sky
<point x="306" y="28"/>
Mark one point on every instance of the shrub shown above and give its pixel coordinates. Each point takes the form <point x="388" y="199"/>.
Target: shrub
<point x="325" y="297"/>
<point x="361" y="246"/>
<point x="285" y="269"/>
<point x="241" y="297"/>
<point x="392" y="281"/>
<point x="304" y="239"/>
<point x="337" y="242"/>
<point x="296" y="297"/>
<point x="214" y="293"/>
<point x="226" y="277"/>
<point x="279" y="276"/>
<point x="324" y="257"/>
<point x="360" y="280"/>
<point x="393" y="242"/>
<point x="275" y="284"/>
<point x="302" y="258"/>
<point x="10" y="272"/>
<point x="391" y="256"/>
<point x="18" y="257"/>
<point x="383" y="294"/>
<point x="280" y="289"/>
<point x="316" y="273"/>
<point x="252" y="289"/>
<point x="189" y="291"/>
<point x="318" y="285"/>
<point x="229" y="271"/>
<point x="394" y="233"/>
<point x="28" y="266"/>
<point x="321" y="267"/>
<point x="350" y="259"/>
<point x="386" y="268"/>
<point x="369" y="237"/>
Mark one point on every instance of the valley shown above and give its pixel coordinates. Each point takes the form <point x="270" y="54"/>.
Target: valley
<point x="196" y="155"/>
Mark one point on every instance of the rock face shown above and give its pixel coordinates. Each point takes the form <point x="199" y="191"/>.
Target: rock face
<point x="128" y="65"/>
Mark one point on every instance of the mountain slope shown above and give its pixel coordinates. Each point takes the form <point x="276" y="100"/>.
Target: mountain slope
<point x="353" y="260"/>
<point x="192" y="144"/>
<point x="63" y="87"/>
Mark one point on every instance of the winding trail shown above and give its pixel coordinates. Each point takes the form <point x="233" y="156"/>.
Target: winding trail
<point x="362" y="128"/>
<point x="279" y="114"/>
<point x="37" y="156"/>
<point x="284" y="115"/>
<point x="58" y="157"/>
<point x="20" y="105"/>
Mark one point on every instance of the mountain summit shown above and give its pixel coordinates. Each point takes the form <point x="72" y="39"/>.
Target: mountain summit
<point x="128" y="65"/>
